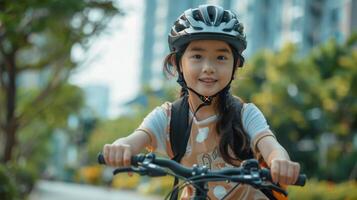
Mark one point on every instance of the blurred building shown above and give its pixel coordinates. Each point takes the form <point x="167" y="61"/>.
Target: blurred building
<point x="268" y="24"/>
<point x="66" y="154"/>
<point x="97" y="99"/>
<point x="272" y="23"/>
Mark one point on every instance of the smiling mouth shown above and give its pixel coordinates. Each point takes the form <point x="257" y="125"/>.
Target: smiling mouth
<point x="208" y="81"/>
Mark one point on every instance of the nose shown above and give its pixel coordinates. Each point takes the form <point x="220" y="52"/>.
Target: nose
<point x="208" y="67"/>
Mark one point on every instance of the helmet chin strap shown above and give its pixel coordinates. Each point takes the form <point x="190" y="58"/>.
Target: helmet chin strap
<point x="206" y="100"/>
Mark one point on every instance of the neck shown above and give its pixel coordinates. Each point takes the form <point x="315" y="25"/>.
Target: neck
<point x="205" y="111"/>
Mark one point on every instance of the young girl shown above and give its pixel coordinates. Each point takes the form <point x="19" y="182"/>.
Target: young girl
<point x="206" y="46"/>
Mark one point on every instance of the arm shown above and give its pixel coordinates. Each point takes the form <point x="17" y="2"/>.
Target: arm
<point x="283" y="170"/>
<point x="151" y="133"/>
<point x="271" y="149"/>
<point x="137" y="140"/>
<point x="120" y="151"/>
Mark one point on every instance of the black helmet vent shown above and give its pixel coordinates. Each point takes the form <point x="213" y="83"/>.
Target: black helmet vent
<point x="226" y="17"/>
<point x="211" y="13"/>
<point x="197" y="15"/>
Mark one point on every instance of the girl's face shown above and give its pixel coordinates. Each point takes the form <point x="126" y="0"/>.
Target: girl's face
<point x="207" y="66"/>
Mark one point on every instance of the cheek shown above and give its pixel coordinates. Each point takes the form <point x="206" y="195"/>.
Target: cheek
<point x="189" y="70"/>
<point x="226" y="70"/>
<point x="226" y="73"/>
<point x="189" y="73"/>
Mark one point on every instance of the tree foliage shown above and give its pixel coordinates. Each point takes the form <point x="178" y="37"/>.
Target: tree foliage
<point x="306" y="97"/>
<point x="108" y="131"/>
<point x="37" y="37"/>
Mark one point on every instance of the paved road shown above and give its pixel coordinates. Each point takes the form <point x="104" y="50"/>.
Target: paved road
<point x="48" y="190"/>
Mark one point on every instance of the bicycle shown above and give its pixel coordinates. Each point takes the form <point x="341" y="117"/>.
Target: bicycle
<point x="248" y="173"/>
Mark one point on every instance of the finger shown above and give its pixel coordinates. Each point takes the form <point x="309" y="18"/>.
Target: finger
<point x="283" y="173"/>
<point x="106" y="153"/>
<point x="118" y="162"/>
<point x="290" y="174"/>
<point x="274" y="171"/>
<point x="111" y="156"/>
<point x="296" y="173"/>
<point x="127" y="157"/>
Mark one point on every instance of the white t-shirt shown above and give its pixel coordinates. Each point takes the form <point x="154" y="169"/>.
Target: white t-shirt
<point x="157" y="123"/>
<point x="202" y="147"/>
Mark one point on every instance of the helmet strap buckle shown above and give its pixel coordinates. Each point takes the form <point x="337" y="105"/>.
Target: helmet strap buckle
<point x="206" y="99"/>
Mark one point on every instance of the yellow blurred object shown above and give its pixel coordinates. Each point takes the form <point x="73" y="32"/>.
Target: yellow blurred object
<point x="90" y="174"/>
<point x="160" y="185"/>
<point x="324" y="190"/>
<point x="124" y="181"/>
<point x="329" y="104"/>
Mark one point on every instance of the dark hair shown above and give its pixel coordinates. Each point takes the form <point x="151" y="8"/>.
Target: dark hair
<point x="229" y="127"/>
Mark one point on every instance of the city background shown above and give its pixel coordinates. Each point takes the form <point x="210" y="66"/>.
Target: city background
<point x="69" y="86"/>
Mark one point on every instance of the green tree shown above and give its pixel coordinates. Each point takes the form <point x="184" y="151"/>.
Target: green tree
<point x="304" y="97"/>
<point x="67" y="100"/>
<point x="337" y="97"/>
<point x="38" y="36"/>
<point x="108" y="131"/>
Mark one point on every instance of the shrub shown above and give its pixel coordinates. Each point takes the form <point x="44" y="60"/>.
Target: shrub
<point x="7" y="185"/>
<point x="124" y="181"/>
<point x="324" y="190"/>
<point x="16" y="181"/>
<point x="160" y="185"/>
<point x="90" y="174"/>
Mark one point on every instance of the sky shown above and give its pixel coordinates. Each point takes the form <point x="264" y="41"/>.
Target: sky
<point x="114" y="58"/>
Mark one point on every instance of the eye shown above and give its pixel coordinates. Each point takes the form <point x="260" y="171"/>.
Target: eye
<point x="197" y="57"/>
<point x="222" y="58"/>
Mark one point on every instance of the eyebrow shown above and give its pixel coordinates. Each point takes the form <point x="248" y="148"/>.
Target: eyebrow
<point x="224" y="50"/>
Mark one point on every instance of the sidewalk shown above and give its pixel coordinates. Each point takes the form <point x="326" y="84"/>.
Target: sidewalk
<point x="48" y="190"/>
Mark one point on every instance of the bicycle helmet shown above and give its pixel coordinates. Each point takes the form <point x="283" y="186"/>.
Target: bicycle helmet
<point x="207" y="22"/>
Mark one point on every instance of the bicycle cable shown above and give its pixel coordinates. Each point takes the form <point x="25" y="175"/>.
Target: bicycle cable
<point x="230" y="191"/>
<point x="202" y="180"/>
<point x="191" y="181"/>
<point x="176" y="188"/>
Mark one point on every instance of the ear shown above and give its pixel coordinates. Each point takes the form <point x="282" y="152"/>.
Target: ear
<point x="238" y="63"/>
<point x="172" y="59"/>
<point x="174" y="63"/>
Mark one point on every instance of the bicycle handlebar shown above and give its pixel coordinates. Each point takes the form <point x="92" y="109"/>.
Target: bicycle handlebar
<point x="178" y="169"/>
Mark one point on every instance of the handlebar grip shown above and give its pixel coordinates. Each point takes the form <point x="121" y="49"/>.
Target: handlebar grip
<point x="300" y="181"/>
<point x="134" y="159"/>
<point x="100" y="159"/>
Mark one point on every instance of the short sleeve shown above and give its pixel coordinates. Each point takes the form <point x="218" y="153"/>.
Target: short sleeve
<point x="155" y="124"/>
<point x="254" y="123"/>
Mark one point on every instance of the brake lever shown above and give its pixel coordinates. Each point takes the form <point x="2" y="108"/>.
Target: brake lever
<point x="275" y="188"/>
<point x="139" y="170"/>
<point x="122" y="169"/>
<point x="154" y="170"/>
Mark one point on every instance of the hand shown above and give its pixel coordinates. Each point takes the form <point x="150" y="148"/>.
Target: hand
<point x="284" y="172"/>
<point x="117" y="154"/>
